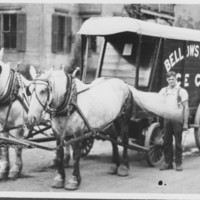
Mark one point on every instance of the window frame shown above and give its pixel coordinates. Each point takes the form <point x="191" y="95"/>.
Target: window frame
<point x="56" y="33"/>
<point x="9" y="31"/>
<point x="20" y="31"/>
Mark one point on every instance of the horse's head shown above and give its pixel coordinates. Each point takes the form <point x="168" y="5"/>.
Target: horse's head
<point x="27" y="70"/>
<point x="4" y="75"/>
<point x="4" y="67"/>
<point x="46" y="90"/>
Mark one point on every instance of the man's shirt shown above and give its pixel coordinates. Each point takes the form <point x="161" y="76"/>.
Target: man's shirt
<point x="174" y="96"/>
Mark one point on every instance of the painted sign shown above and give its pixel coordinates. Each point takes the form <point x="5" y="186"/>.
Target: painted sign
<point x="178" y="55"/>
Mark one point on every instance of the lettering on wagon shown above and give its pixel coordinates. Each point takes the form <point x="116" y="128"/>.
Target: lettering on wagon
<point x="187" y="79"/>
<point x="177" y="55"/>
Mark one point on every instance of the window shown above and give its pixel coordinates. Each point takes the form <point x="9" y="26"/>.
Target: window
<point x="61" y="34"/>
<point x="10" y="30"/>
<point x="147" y="56"/>
<point x="13" y="31"/>
<point x="120" y="58"/>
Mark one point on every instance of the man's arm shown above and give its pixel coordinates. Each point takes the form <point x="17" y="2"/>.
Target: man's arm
<point x="185" y="115"/>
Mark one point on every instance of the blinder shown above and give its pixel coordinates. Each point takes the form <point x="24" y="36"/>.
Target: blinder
<point x="28" y="90"/>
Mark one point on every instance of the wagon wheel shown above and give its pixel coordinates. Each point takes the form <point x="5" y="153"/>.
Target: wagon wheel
<point x="87" y="146"/>
<point x="197" y="130"/>
<point x="154" y="141"/>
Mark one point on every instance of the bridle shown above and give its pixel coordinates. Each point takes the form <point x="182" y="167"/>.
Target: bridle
<point x="46" y="106"/>
<point x="70" y="97"/>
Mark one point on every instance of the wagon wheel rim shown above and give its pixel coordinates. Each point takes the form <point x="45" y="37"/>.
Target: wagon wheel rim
<point x="86" y="146"/>
<point x="155" y="153"/>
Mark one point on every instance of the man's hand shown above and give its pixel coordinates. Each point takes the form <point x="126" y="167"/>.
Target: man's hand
<point x="185" y="127"/>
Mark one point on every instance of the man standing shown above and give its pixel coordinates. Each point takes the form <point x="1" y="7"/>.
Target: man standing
<point x="177" y="98"/>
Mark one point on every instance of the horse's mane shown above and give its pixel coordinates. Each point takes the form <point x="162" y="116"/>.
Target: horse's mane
<point x="25" y="70"/>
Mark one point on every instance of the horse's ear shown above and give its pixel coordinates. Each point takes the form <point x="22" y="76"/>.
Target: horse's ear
<point x="33" y="72"/>
<point x="62" y="67"/>
<point x="75" y="71"/>
<point x="1" y="53"/>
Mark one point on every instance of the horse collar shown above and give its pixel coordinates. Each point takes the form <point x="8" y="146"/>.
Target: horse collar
<point x="70" y="98"/>
<point x="12" y="90"/>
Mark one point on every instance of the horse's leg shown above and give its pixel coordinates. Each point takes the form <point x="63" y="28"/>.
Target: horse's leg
<point x="15" y="171"/>
<point x="0" y="154"/>
<point x="67" y="155"/>
<point x="75" y="180"/>
<point x="60" y="172"/>
<point x="123" y="168"/>
<point x="5" y="161"/>
<point x="115" y="153"/>
<point x="0" y="147"/>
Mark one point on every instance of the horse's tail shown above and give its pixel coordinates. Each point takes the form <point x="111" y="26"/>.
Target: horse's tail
<point x="155" y="103"/>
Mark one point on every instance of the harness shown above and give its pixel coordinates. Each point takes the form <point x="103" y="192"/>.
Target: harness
<point x="69" y="105"/>
<point x="11" y="94"/>
<point x="70" y="98"/>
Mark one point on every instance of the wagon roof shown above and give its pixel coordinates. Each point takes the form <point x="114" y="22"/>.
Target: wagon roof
<point x="102" y="26"/>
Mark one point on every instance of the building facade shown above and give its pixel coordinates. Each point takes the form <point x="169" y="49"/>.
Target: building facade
<point x="44" y="35"/>
<point x="38" y="34"/>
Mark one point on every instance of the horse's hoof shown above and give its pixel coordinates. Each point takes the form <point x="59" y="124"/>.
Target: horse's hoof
<point x="58" y="184"/>
<point x="122" y="170"/>
<point x="4" y="176"/>
<point x="112" y="169"/>
<point x="73" y="183"/>
<point x="14" y="175"/>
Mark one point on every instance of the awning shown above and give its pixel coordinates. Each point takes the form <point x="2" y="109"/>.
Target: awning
<point x="102" y="26"/>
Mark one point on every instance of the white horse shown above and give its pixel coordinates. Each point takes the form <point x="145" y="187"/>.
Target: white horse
<point x="14" y="113"/>
<point x="97" y="105"/>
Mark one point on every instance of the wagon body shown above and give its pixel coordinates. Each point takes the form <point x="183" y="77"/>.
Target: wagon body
<point x="141" y="53"/>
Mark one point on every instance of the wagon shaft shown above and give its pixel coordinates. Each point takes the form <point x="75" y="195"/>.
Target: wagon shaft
<point x="13" y="141"/>
<point x="24" y="143"/>
<point x="132" y="146"/>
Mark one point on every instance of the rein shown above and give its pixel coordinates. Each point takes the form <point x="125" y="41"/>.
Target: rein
<point x="69" y="104"/>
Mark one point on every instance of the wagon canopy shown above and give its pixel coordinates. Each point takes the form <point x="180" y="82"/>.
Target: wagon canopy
<point x="102" y="26"/>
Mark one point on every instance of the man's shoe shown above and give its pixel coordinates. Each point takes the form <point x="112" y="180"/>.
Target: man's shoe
<point x="179" y="167"/>
<point x="166" y="167"/>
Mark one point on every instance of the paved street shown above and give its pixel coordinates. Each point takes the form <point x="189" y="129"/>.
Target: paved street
<point x="143" y="180"/>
